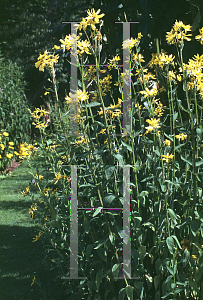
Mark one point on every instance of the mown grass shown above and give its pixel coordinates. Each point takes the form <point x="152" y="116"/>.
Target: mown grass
<point x="20" y="258"/>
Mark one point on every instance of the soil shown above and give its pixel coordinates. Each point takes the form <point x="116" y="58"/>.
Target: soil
<point x="13" y="166"/>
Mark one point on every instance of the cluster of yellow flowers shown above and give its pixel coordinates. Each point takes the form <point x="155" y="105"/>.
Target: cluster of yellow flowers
<point x="194" y="73"/>
<point x="179" y="33"/>
<point x="32" y="209"/>
<point x="132" y="42"/>
<point x="10" y="144"/>
<point x="46" y="60"/>
<point x="37" y="114"/>
<point x="109" y="110"/>
<point x="161" y="59"/>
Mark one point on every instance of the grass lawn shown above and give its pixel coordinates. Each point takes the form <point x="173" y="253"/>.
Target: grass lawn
<point x="20" y="258"/>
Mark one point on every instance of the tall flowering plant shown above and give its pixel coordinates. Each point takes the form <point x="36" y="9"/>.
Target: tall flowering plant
<point x="166" y="168"/>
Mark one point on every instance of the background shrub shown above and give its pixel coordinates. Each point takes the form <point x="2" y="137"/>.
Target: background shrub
<point x="14" y="115"/>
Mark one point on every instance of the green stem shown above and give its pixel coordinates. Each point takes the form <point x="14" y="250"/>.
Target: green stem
<point x="193" y="138"/>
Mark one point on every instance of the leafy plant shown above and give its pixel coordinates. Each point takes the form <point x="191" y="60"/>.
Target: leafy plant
<point x="14" y="118"/>
<point x="165" y="162"/>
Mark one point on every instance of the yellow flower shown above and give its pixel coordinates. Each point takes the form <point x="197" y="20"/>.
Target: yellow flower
<point x="37" y="237"/>
<point x="16" y="153"/>
<point x="33" y="281"/>
<point x="42" y="125"/>
<point x="11" y="143"/>
<point x="195" y="257"/>
<point x="39" y="177"/>
<point x="83" y="46"/>
<point x="45" y="59"/>
<point x="2" y="146"/>
<point x="149" y="93"/>
<point x="129" y="43"/>
<point x="81" y="96"/>
<point x="200" y="37"/>
<point x="27" y="190"/>
<point x="93" y="18"/>
<point x="166" y="157"/>
<point x="153" y="123"/>
<point x="102" y="131"/>
<point x="5" y="133"/>
<point x="161" y="59"/>
<point x="56" y="47"/>
<point x="9" y="155"/>
<point x="138" y="58"/>
<point x="179" y="78"/>
<point x="167" y="142"/>
<point x="171" y="75"/>
<point x="45" y="191"/>
<point x="181" y="136"/>
<point x="178" y="33"/>
<point x="198" y="58"/>
<point x="138" y="106"/>
<point x="94" y="15"/>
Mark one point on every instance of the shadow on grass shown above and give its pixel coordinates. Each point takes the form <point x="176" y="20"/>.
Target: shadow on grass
<point x="20" y="258"/>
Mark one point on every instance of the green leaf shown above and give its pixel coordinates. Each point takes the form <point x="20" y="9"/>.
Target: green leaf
<point x="169" y="137"/>
<point x="79" y="83"/>
<point x="175" y="116"/>
<point x="49" y="142"/>
<point x="173" y="183"/>
<point x="158" y="266"/>
<point x="196" y="21"/>
<point x="137" y="167"/>
<point x="112" y="238"/>
<point x="169" y="278"/>
<point x="115" y="270"/>
<point x="142" y="196"/>
<point x="129" y="292"/>
<point x="121" y="294"/>
<point x="163" y="188"/>
<point x="88" y="250"/>
<point x="108" y="199"/>
<point x="106" y="294"/>
<point x="99" y="278"/>
<point x="93" y="104"/>
<point x="91" y="49"/>
<point x="98" y="210"/>
<point x="128" y="146"/>
<point x="102" y="253"/>
<point x="177" y="241"/>
<point x="199" y="131"/>
<point x="194" y="227"/>
<point x="142" y="252"/>
<point x="167" y="295"/>
<point x="99" y="49"/>
<point x="120" y="159"/>
<point x="101" y="243"/>
<point x="157" y="152"/>
<point x="86" y="185"/>
<point x="199" y="163"/>
<point x="120" y="232"/>
<point x="170" y="270"/>
<point x="86" y="225"/>
<point x="170" y="244"/>
<point x="187" y="161"/>
<point x="172" y="214"/>
<point x="179" y="146"/>
<point x="150" y="225"/>
<point x="109" y="171"/>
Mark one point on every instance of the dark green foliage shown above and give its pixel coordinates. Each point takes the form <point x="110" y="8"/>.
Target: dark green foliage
<point x="14" y="115"/>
